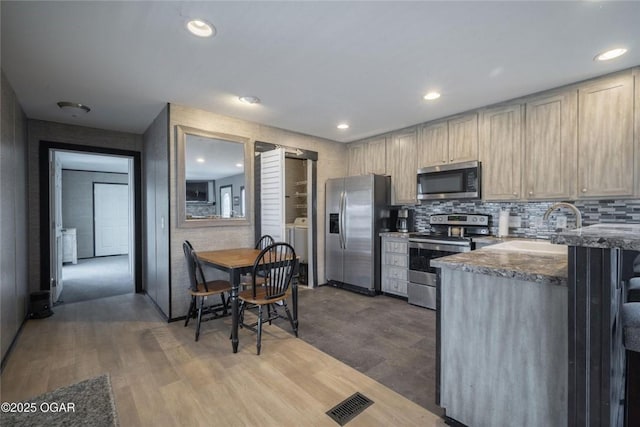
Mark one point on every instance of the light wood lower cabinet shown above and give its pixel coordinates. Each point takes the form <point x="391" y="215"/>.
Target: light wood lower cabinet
<point x="395" y="265"/>
<point x="605" y="137"/>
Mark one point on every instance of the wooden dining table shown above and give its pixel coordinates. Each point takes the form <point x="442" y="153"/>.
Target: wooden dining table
<point x="236" y="262"/>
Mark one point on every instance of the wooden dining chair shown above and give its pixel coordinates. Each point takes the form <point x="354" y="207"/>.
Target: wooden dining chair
<point x="199" y="288"/>
<point x="263" y="242"/>
<point x="276" y="264"/>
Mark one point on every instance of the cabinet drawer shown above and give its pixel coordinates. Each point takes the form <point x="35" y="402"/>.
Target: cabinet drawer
<point x="396" y="273"/>
<point x="398" y="287"/>
<point x="397" y="260"/>
<point x="396" y="247"/>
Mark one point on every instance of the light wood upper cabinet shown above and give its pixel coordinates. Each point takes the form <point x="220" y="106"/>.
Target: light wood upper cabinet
<point x="463" y="138"/>
<point x="367" y="157"/>
<point x="434" y="149"/>
<point x="449" y="141"/>
<point x="377" y="156"/>
<point x="356" y="159"/>
<point x="401" y="165"/>
<point x="605" y="137"/>
<point x="502" y="152"/>
<point x="550" y="147"/>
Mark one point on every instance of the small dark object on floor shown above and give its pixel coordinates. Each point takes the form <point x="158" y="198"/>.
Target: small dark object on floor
<point x="40" y="305"/>
<point x="349" y="408"/>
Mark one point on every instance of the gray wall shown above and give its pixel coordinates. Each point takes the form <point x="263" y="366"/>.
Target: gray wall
<point x="77" y="204"/>
<point x="155" y="238"/>
<point x="39" y="131"/>
<point x="14" y="285"/>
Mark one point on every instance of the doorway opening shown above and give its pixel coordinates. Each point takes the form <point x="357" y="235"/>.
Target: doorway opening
<point x="90" y="222"/>
<point x="286" y="190"/>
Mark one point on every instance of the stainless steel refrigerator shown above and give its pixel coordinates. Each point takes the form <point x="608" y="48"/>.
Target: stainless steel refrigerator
<point x="353" y="215"/>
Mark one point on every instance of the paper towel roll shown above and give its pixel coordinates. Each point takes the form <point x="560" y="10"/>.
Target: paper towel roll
<point x="503" y="224"/>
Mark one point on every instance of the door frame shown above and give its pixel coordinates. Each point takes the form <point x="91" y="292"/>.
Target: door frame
<point x="294" y="153"/>
<point x="43" y="167"/>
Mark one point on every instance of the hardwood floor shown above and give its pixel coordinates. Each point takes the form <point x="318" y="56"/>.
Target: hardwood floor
<point x="162" y="377"/>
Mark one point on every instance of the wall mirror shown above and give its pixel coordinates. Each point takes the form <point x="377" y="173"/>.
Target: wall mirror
<point x="213" y="178"/>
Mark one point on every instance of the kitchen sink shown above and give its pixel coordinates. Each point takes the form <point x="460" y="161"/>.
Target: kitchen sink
<point x="530" y="246"/>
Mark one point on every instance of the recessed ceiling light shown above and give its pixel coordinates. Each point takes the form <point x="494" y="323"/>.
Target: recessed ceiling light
<point x="73" y="109"/>
<point x="249" y="99"/>
<point x="610" y="54"/>
<point x="238" y="165"/>
<point x="200" y="28"/>
<point x="431" y="96"/>
<point x="200" y="160"/>
<point x="343" y="126"/>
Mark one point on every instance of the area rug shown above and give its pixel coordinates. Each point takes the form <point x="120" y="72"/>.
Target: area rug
<point x="87" y="403"/>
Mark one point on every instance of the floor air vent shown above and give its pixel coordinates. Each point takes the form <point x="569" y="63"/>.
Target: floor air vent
<point x="349" y="408"/>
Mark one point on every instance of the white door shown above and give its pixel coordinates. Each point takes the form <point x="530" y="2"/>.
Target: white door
<point x="272" y="194"/>
<point x="111" y="219"/>
<point x="55" y="215"/>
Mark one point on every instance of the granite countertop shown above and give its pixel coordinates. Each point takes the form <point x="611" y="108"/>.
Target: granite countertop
<point x="622" y="236"/>
<point x="539" y="268"/>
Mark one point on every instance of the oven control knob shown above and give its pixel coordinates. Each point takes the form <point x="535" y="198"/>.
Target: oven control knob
<point x="475" y="219"/>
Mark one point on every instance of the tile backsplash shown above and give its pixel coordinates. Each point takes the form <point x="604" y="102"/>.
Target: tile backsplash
<point x="526" y="217"/>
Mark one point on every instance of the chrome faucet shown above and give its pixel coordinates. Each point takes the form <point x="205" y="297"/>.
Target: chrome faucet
<point x="565" y="205"/>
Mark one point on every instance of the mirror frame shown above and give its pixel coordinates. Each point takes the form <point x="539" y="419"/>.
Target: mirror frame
<point x="181" y="190"/>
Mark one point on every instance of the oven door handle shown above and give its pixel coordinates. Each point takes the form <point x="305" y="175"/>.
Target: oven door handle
<point x="440" y="246"/>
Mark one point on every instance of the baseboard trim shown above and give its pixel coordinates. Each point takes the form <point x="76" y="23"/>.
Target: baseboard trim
<point x="5" y="357"/>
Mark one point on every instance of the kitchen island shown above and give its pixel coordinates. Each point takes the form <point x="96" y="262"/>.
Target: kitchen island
<point x="533" y="336"/>
<point x="601" y="262"/>
<point x="502" y="336"/>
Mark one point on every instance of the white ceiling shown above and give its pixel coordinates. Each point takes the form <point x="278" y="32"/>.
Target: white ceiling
<point x="313" y="64"/>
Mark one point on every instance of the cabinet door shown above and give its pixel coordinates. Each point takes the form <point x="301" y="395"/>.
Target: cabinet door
<point x="550" y="147"/>
<point x="433" y="145"/>
<point x="356" y="156"/>
<point x="605" y="137"/>
<point x="376" y="156"/>
<point x="401" y="160"/>
<point x="501" y="152"/>
<point x="463" y="138"/>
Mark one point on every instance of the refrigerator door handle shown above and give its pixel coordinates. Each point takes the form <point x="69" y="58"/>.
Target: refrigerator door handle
<point x="343" y="243"/>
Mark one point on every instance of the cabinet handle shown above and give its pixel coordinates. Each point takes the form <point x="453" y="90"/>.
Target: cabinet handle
<point x="444" y="161"/>
<point x="515" y="194"/>
<point x="531" y="193"/>
<point x="584" y="190"/>
<point x="451" y="160"/>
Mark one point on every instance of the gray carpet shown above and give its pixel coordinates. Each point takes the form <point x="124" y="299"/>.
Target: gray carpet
<point x="383" y="337"/>
<point x="94" y="278"/>
<point x="87" y="403"/>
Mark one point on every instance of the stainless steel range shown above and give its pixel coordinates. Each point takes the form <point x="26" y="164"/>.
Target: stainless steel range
<point x="451" y="234"/>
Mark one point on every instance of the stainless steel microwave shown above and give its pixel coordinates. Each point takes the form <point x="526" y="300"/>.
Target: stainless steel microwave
<point x="451" y="181"/>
